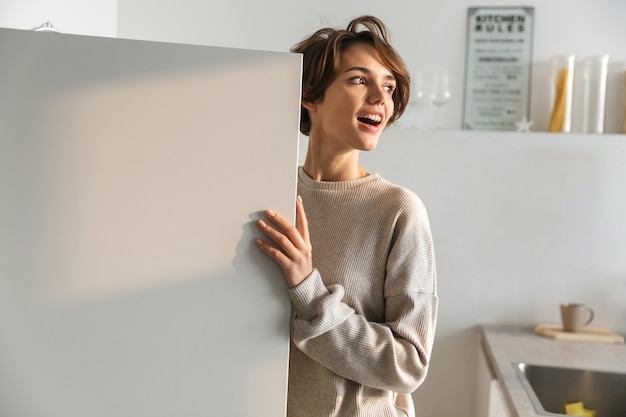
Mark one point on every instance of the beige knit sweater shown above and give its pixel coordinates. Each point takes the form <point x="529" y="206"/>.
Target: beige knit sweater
<point x="364" y="321"/>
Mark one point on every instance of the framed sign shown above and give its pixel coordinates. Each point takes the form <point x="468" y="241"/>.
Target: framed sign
<point x="498" y="67"/>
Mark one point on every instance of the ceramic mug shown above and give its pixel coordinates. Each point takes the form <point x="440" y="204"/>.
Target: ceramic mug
<point x="575" y="316"/>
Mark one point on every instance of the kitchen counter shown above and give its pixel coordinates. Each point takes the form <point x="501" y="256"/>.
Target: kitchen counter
<point x="505" y="345"/>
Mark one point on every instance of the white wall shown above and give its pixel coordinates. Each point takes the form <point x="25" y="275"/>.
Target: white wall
<point x="429" y="35"/>
<point x="482" y="279"/>
<point x="79" y="17"/>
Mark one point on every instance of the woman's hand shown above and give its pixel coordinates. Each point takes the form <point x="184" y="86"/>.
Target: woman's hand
<point x="293" y="251"/>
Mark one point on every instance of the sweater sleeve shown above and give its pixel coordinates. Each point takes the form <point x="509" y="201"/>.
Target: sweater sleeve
<point x="392" y="355"/>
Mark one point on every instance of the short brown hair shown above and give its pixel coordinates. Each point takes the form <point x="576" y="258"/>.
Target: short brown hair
<point x="321" y="61"/>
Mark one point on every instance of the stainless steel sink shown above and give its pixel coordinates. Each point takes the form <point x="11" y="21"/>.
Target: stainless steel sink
<point x="550" y="388"/>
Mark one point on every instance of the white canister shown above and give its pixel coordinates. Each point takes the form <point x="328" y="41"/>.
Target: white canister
<point x="594" y="74"/>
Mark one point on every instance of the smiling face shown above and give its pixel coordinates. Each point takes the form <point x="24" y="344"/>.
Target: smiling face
<point x="357" y="104"/>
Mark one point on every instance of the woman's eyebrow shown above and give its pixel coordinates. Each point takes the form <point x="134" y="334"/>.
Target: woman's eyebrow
<point x="368" y="71"/>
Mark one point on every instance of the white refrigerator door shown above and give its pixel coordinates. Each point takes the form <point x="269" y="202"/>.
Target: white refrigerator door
<point x="131" y="174"/>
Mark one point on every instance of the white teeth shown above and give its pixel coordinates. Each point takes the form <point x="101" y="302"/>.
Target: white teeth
<point x="374" y="117"/>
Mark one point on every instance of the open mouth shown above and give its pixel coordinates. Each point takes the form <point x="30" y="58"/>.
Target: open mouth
<point x="371" y="119"/>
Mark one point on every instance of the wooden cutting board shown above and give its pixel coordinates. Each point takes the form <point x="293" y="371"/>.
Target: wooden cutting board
<point x="587" y="334"/>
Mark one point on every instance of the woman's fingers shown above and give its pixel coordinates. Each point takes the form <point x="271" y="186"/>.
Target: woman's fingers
<point x="276" y="236"/>
<point x="283" y="229"/>
<point x="302" y="223"/>
<point x="273" y="252"/>
<point x="292" y="250"/>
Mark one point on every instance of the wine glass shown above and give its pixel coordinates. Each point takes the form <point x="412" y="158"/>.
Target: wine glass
<point x="440" y="94"/>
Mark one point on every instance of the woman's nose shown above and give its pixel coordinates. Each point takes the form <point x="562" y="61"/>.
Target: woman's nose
<point x="377" y="94"/>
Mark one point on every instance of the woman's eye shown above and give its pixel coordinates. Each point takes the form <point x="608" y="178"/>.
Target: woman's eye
<point x="357" y="80"/>
<point x="389" y="88"/>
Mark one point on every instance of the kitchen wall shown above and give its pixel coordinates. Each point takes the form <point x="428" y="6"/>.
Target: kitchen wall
<point x="79" y="17"/>
<point x="521" y="222"/>
<point x="429" y="35"/>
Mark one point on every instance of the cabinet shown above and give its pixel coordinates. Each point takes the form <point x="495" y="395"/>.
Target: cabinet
<point x="490" y="401"/>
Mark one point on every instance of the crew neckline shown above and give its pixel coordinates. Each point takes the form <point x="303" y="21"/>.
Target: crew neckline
<point x="335" y="185"/>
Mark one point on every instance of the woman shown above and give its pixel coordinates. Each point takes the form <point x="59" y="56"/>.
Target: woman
<point x="359" y="264"/>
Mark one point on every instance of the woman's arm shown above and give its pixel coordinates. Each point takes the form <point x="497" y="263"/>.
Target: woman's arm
<point x="393" y="355"/>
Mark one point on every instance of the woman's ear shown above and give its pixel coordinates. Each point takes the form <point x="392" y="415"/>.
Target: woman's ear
<point x="308" y="105"/>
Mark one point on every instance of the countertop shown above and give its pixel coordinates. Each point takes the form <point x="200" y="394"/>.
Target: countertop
<point x="505" y="345"/>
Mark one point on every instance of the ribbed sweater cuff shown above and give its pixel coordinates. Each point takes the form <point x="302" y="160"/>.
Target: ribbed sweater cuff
<point x="307" y="295"/>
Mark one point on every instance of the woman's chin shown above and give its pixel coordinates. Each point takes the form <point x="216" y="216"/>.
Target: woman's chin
<point x="369" y="146"/>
